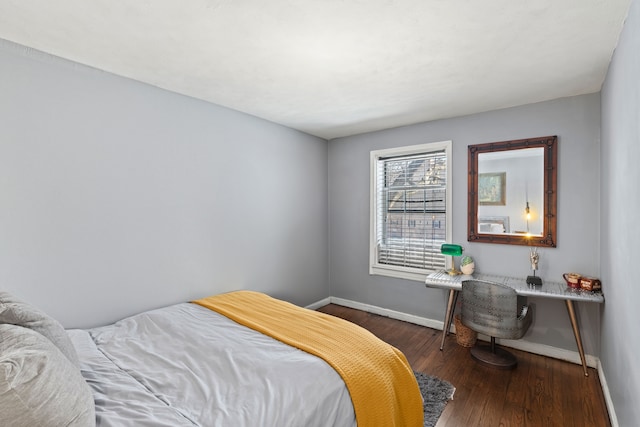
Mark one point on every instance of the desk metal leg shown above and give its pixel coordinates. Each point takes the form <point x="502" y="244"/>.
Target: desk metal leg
<point x="448" y="317"/>
<point x="576" y="334"/>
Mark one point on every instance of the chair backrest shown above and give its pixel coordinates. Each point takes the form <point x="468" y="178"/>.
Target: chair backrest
<point x="493" y="309"/>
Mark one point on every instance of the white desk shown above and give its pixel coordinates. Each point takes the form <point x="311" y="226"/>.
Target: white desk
<point x="548" y="289"/>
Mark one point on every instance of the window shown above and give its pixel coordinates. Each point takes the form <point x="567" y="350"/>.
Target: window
<point x="410" y="209"/>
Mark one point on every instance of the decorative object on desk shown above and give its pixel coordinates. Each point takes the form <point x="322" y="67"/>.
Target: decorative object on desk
<point x="465" y="336"/>
<point x="534" y="258"/>
<point x="452" y="250"/>
<point x="590" y="284"/>
<point x="467" y="266"/>
<point x="572" y="279"/>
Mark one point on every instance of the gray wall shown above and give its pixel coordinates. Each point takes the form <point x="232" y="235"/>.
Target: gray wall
<point x="575" y="120"/>
<point x="116" y="196"/>
<point x="620" y="231"/>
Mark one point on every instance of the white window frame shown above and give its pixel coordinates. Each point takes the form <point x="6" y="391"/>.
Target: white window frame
<point x="376" y="268"/>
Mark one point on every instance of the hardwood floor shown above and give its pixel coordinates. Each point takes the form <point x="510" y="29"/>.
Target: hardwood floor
<point x="540" y="391"/>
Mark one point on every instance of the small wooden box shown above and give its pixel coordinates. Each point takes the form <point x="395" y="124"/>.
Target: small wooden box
<point x="590" y="284"/>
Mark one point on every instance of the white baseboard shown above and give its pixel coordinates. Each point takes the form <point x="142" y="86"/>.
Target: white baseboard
<point x="316" y="305"/>
<point x="549" y="351"/>
<point x="540" y="349"/>
<point x="607" y="396"/>
<point x="423" y="321"/>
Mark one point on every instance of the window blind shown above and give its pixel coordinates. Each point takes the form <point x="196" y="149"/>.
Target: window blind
<point x="411" y="194"/>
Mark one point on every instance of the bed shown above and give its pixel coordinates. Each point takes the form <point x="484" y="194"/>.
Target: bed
<point x="241" y="358"/>
<point x="493" y="224"/>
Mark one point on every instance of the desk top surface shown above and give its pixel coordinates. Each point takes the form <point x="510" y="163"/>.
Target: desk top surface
<point x="549" y="289"/>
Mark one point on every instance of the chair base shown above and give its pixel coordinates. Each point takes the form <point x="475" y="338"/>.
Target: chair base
<point x="498" y="358"/>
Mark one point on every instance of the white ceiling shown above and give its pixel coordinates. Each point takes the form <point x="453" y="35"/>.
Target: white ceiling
<point x="334" y="68"/>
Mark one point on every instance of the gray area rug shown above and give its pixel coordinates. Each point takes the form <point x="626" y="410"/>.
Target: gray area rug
<point x="435" y="393"/>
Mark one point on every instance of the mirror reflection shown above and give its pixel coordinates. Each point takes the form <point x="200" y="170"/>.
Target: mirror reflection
<point x="510" y="191"/>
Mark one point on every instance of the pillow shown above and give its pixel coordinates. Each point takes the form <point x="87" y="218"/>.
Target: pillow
<point x="497" y="228"/>
<point x="16" y="312"/>
<point x="38" y="384"/>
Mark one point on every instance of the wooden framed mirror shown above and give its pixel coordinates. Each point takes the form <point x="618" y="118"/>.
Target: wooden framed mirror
<point x="513" y="192"/>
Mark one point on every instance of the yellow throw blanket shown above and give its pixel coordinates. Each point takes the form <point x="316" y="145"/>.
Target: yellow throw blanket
<point x="383" y="388"/>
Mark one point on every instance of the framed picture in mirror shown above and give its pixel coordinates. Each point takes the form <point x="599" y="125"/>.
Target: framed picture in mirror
<point x="492" y="188"/>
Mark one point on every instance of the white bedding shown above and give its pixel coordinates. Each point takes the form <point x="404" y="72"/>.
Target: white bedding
<point x="185" y="365"/>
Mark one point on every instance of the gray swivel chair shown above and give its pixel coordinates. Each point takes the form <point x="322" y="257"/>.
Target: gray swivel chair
<point x="495" y="310"/>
